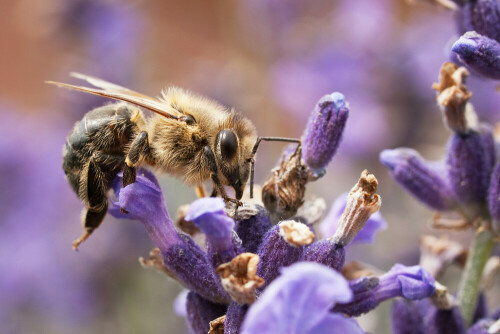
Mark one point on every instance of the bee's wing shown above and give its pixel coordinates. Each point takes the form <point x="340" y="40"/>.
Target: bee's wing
<point x="117" y="92"/>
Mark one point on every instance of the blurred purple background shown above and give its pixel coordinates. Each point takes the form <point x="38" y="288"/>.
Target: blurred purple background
<point x="271" y="60"/>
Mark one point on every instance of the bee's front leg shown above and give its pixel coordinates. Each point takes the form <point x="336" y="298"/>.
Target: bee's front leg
<point x="137" y="149"/>
<point x="218" y="187"/>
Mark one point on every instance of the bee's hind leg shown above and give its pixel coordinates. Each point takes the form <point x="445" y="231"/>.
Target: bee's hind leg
<point x="92" y="220"/>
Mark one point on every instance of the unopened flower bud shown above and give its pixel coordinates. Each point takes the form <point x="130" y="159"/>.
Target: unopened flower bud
<point x="470" y="161"/>
<point x="417" y="176"/>
<point x="482" y="16"/>
<point x="362" y="202"/>
<point x="479" y="53"/>
<point x="324" y="130"/>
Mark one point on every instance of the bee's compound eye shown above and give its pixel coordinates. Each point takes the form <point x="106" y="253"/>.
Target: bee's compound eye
<point x="228" y="144"/>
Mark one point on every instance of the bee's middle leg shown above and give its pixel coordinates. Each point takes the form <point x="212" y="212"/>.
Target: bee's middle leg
<point x="139" y="146"/>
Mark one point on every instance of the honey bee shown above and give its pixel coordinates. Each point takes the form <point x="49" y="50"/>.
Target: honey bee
<point x="188" y="136"/>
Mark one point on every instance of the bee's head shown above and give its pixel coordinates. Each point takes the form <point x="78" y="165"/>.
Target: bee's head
<point x="231" y="153"/>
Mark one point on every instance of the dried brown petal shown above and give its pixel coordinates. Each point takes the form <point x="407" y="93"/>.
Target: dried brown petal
<point x="295" y="233"/>
<point x="362" y="202"/>
<point x="441" y="298"/>
<point x="453" y="97"/>
<point x="449" y="221"/>
<point x="217" y="325"/>
<point x="436" y="254"/>
<point x="283" y="193"/>
<point x="239" y="277"/>
<point x="357" y="269"/>
<point x="155" y="261"/>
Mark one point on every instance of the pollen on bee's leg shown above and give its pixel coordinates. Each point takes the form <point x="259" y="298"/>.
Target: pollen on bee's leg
<point x="200" y="191"/>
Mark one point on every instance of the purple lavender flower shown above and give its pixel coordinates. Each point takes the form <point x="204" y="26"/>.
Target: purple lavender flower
<point x="482" y="16"/>
<point x="201" y="311"/>
<point x="299" y="301"/>
<point x="480" y="53"/>
<point x="417" y="176"/>
<point x="406" y="318"/>
<point x="143" y="200"/>
<point x="401" y="281"/>
<point x="209" y="215"/>
<point x="324" y="130"/>
<point x="470" y="161"/>
<point x="374" y="224"/>
<point x="252" y="230"/>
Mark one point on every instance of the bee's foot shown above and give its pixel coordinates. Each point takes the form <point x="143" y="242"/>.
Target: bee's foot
<point x="123" y="211"/>
<point x="81" y="239"/>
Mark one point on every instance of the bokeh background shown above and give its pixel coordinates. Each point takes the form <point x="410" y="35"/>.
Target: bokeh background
<point x="271" y="60"/>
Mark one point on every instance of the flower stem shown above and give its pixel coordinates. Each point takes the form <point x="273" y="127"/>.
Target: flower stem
<point x="479" y="252"/>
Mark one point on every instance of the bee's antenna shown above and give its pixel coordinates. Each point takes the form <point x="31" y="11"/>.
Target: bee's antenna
<point x="254" y="151"/>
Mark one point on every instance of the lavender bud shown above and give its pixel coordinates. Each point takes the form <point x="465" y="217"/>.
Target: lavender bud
<point x="470" y="161"/>
<point x="325" y="252"/>
<point x="324" y="130"/>
<point x="252" y="230"/>
<point x="414" y="174"/>
<point x="362" y="202"/>
<point x="208" y="214"/>
<point x="401" y="281"/>
<point x="406" y="318"/>
<point x="234" y="318"/>
<point x="275" y="253"/>
<point x="483" y="16"/>
<point x="479" y="53"/>
<point x="201" y="311"/>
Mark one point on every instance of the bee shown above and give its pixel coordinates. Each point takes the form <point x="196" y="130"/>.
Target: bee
<point x="187" y="135"/>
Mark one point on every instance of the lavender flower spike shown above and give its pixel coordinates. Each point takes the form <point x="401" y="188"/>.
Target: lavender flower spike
<point x="143" y="201"/>
<point x="324" y="130"/>
<point x="479" y="53"/>
<point x="299" y="301"/>
<point x="412" y="172"/>
<point x="401" y="281"/>
<point x="209" y="216"/>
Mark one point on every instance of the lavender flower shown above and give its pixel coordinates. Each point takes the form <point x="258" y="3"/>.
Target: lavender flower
<point x="143" y="200"/>
<point x="406" y="318"/>
<point x="324" y="130"/>
<point x="480" y="53"/>
<point x="234" y="318"/>
<point x="299" y="302"/>
<point x="401" y="281"/>
<point x="494" y="198"/>
<point x="210" y="216"/>
<point x="418" y="177"/>
<point x="252" y="230"/>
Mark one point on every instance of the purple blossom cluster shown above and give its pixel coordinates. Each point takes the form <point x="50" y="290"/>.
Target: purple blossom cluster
<point x="260" y="273"/>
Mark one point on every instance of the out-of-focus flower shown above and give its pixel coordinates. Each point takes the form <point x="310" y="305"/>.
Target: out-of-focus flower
<point x="324" y="130"/>
<point x="421" y="179"/>
<point x="479" y="53"/>
<point x="401" y="281"/>
<point x="299" y="301"/>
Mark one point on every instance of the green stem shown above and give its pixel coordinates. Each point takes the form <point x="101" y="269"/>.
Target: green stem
<point x="468" y="292"/>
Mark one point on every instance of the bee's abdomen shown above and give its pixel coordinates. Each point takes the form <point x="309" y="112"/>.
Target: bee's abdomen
<point x="100" y="140"/>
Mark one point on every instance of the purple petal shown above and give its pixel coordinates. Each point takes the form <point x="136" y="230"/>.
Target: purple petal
<point x="203" y="206"/>
<point x="336" y="323"/>
<point x="298" y="300"/>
